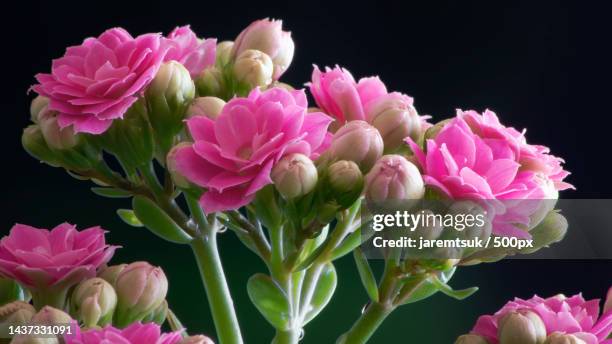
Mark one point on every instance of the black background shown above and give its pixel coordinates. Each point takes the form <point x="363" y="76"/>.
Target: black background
<point x="540" y="65"/>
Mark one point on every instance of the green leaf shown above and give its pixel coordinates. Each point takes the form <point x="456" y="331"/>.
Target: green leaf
<point x="158" y="222"/>
<point x="128" y="216"/>
<point x="324" y="290"/>
<point x="446" y="289"/>
<point x="424" y="288"/>
<point x="10" y="291"/>
<point x="111" y="192"/>
<point x="270" y="300"/>
<point x="351" y="242"/>
<point x="365" y="273"/>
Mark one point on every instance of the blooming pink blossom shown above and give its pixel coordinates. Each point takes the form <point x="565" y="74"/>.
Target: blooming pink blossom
<point x="191" y="52"/>
<point x="571" y="315"/>
<point x="97" y="81"/>
<point x="41" y="258"/>
<point x="475" y="157"/>
<point x="233" y="155"/>
<point x="136" y="333"/>
<point x="336" y="93"/>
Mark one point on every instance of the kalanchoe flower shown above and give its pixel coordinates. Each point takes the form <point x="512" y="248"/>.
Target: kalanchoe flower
<point x="522" y="327"/>
<point x="394" y="178"/>
<point x="336" y="93"/>
<point x="206" y="106"/>
<point x="93" y="302"/>
<point x="471" y="158"/>
<point x="135" y="333"/>
<point x="224" y="53"/>
<point x="571" y="315"/>
<point x="359" y="142"/>
<point x="267" y="36"/>
<point x="253" y="68"/>
<point x="193" y="53"/>
<point x="233" y="156"/>
<point x="97" y="81"/>
<point x="470" y="339"/>
<point x="49" y="262"/>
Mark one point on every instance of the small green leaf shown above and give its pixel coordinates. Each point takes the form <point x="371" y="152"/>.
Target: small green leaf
<point x="457" y="294"/>
<point x="349" y="243"/>
<point x="158" y="222"/>
<point x="111" y="192"/>
<point x="128" y="216"/>
<point x="424" y="288"/>
<point x="270" y="300"/>
<point x="365" y="272"/>
<point x="324" y="290"/>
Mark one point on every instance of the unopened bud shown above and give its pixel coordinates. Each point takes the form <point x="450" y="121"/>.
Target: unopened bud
<point x="359" y="142"/>
<point x="395" y="118"/>
<point x="34" y="143"/>
<point x="267" y="36"/>
<point x="210" y="82"/>
<point x="433" y="131"/>
<point x="171" y="165"/>
<point x="394" y="178"/>
<point x="294" y="175"/>
<point x="224" y="53"/>
<point x="199" y="339"/>
<point x="93" y="302"/>
<point x="38" y="104"/>
<point x="206" y="106"/>
<point x="16" y="313"/>
<point x="254" y="68"/>
<point x="521" y="328"/>
<point x="140" y="289"/>
<point x="563" y="338"/>
<point x="110" y="273"/>
<point x="345" y="182"/>
<point x="158" y="315"/>
<point x="550" y="230"/>
<point x="51" y="316"/>
<point x="470" y="339"/>
<point x="56" y="137"/>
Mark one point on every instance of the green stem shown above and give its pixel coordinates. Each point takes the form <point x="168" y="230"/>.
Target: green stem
<point x="217" y="291"/>
<point x="291" y="336"/>
<point x="54" y="298"/>
<point x="367" y="324"/>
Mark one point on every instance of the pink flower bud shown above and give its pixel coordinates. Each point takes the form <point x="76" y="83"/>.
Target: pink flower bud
<point x="267" y="36"/>
<point x="395" y="118"/>
<point x="110" y="273"/>
<point x="470" y="339"/>
<point x="206" y="106"/>
<point x="345" y="182"/>
<point x="171" y="164"/>
<point x="359" y="142"/>
<point x="562" y="338"/>
<point x="393" y="177"/>
<point x="51" y="316"/>
<point x="294" y="175"/>
<point x="93" y="302"/>
<point x="224" y="53"/>
<point x="254" y="68"/>
<point x="34" y="143"/>
<point x="140" y="289"/>
<point x="16" y="313"/>
<point x="524" y="327"/>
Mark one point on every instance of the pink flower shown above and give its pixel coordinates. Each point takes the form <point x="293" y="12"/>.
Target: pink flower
<point x="233" y="155"/>
<point x="191" y="52"/>
<point x="97" y="81"/>
<point x="136" y="333"/>
<point x="571" y="315"/>
<point x="337" y="93"/>
<point x="43" y="259"/>
<point x="268" y="37"/>
<point x="475" y="157"/>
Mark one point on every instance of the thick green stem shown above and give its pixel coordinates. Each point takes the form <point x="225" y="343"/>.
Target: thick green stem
<point x="217" y="291"/>
<point x="287" y="337"/>
<point x="367" y="324"/>
<point x="55" y="298"/>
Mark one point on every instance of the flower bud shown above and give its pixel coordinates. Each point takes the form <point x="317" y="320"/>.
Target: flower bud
<point x="110" y="273"/>
<point x="254" y="68"/>
<point x="206" y="106"/>
<point x="294" y="175"/>
<point x="345" y="182"/>
<point x="16" y="313"/>
<point x="199" y="339"/>
<point x="158" y="315"/>
<point x="267" y="36"/>
<point x="56" y="137"/>
<point x="224" y="53"/>
<point x="38" y="104"/>
<point x="470" y="339"/>
<point x="433" y="131"/>
<point x="51" y="316"/>
<point x="549" y="231"/>
<point x="140" y="289"/>
<point x="210" y="82"/>
<point x="359" y="142"/>
<point x="521" y="328"/>
<point x="562" y="338"/>
<point x="93" y="302"/>
<point x="394" y="178"/>
<point x="34" y="143"/>
<point x="395" y="118"/>
<point x="168" y="97"/>
<point x="177" y="177"/>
